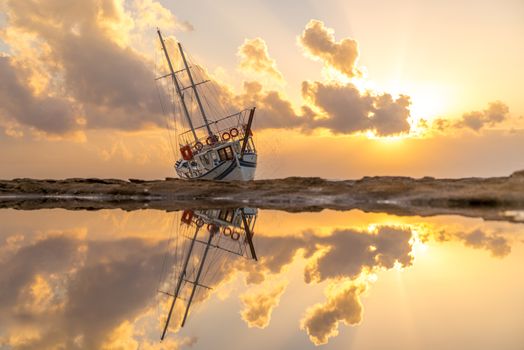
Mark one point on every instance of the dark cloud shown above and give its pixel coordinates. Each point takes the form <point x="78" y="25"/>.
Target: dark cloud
<point x="273" y="110"/>
<point x="351" y="252"/>
<point x="496" y="113"/>
<point x="347" y="110"/>
<point x="17" y="101"/>
<point x="339" y="108"/>
<point x="52" y="255"/>
<point x="96" y="286"/>
<point x="107" y="83"/>
<point x="94" y="79"/>
<point x="319" y="42"/>
<point x="497" y="245"/>
<point x="112" y="287"/>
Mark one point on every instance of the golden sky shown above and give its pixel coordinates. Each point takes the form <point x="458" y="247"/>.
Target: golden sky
<point x="343" y="89"/>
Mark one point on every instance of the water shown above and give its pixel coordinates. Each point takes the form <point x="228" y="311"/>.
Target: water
<point x="351" y="280"/>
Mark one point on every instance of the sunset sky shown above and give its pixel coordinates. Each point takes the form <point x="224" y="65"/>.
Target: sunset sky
<point x="343" y="89"/>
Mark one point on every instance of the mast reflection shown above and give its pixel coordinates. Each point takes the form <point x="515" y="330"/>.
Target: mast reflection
<point x="202" y="247"/>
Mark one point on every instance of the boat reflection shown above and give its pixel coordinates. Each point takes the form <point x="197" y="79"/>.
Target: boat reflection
<point x="216" y="230"/>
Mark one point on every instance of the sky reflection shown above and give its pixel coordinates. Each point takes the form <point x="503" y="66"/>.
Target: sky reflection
<point x="90" y="280"/>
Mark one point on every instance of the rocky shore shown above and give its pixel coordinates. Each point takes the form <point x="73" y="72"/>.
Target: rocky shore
<point x="497" y="198"/>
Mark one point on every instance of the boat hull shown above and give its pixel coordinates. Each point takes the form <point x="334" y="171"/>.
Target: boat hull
<point x="231" y="170"/>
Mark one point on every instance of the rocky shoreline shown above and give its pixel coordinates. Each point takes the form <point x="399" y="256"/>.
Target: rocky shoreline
<point x="488" y="198"/>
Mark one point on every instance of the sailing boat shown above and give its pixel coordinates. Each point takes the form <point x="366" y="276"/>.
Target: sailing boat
<point x="222" y="147"/>
<point x="196" y="256"/>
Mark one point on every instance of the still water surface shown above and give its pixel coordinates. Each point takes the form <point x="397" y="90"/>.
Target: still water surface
<point x="344" y="280"/>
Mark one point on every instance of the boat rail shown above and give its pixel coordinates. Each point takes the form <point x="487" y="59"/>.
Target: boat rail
<point x="228" y="128"/>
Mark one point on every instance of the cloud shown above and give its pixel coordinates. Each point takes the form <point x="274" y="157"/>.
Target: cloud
<point x="82" y="62"/>
<point x="76" y="70"/>
<point x="47" y="113"/>
<point x="346" y="110"/>
<point x="496" y="113"/>
<point x="273" y="109"/>
<point x="152" y="14"/>
<point x="26" y="269"/>
<point x="254" y="57"/>
<point x="319" y="42"/>
<point x="338" y="107"/>
<point x="342" y="305"/>
<point x="349" y="253"/>
<point x="259" y="306"/>
<point x="90" y="289"/>
<point x="497" y="245"/>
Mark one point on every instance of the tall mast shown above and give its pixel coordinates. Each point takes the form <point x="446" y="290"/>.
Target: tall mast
<point x="177" y="85"/>
<point x="195" y="90"/>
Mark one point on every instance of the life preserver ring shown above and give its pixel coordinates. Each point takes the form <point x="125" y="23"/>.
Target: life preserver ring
<point x="226" y="136"/>
<point x="186" y="152"/>
<point x="212" y="228"/>
<point x="227" y="231"/>
<point x="187" y="216"/>
<point x="199" y="222"/>
<point x="211" y="140"/>
<point x="199" y="146"/>
<point x="233" y="132"/>
<point x="235" y="236"/>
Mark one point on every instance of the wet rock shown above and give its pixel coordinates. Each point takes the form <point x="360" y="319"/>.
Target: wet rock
<point x="483" y="197"/>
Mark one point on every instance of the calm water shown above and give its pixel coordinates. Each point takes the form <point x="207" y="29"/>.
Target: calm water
<point x="349" y="280"/>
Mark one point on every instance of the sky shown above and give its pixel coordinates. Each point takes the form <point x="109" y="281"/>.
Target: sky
<point x="343" y="89"/>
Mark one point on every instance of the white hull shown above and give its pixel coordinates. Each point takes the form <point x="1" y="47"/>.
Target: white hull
<point x="230" y="170"/>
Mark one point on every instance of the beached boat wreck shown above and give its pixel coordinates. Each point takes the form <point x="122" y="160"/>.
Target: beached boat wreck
<point x="221" y="147"/>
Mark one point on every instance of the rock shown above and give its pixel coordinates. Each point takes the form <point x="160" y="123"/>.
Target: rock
<point x="519" y="173"/>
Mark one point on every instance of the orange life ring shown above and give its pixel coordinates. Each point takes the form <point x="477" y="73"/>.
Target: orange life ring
<point x="199" y="146"/>
<point x="227" y="231"/>
<point x="226" y="136"/>
<point x="233" y="132"/>
<point x="235" y="236"/>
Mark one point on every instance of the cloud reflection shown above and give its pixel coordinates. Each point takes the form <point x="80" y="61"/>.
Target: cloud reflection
<point x="67" y="288"/>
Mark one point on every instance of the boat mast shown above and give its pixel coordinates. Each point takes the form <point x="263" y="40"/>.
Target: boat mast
<point x="195" y="90"/>
<point x="177" y="85"/>
<point x="247" y="132"/>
